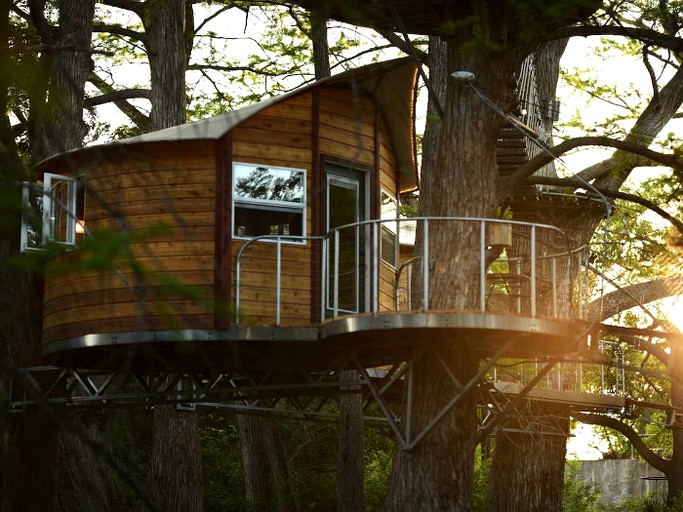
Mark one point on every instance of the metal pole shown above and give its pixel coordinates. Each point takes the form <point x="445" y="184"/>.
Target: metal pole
<point x="553" y="277"/>
<point x="482" y="266"/>
<point x="324" y="278"/>
<point x="375" y="267"/>
<point x="238" y="268"/>
<point x="533" y="271"/>
<point x="278" y="284"/>
<point x="425" y="265"/>
<point x="335" y="291"/>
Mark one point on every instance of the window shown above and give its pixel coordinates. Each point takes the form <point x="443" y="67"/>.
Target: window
<point x="53" y="211"/>
<point x="389" y="242"/>
<point x="268" y="200"/>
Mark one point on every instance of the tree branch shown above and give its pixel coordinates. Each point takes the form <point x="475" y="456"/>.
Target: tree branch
<point x="634" y="295"/>
<point x="121" y="31"/>
<point x="114" y="96"/>
<point x="403" y="45"/>
<point x="129" y="5"/>
<point x="576" y="183"/>
<point x="533" y="165"/>
<point x="650" y="37"/>
<point x="651" y="457"/>
<point x="138" y="118"/>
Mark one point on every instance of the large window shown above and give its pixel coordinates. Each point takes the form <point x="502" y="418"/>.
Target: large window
<point x="53" y="211"/>
<point x="268" y="200"/>
<point x="389" y="244"/>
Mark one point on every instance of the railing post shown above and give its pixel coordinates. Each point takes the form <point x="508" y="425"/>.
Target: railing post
<point x="533" y="271"/>
<point x="278" y="284"/>
<point x="238" y="267"/>
<point x="581" y="270"/>
<point x="335" y="279"/>
<point x="482" y="266"/>
<point x="324" y="278"/>
<point x="553" y="278"/>
<point x="425" y="265"/>
<point x="375" y="267"/>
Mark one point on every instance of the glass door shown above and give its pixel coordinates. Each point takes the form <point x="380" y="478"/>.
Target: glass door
<point x="345" y="199"/>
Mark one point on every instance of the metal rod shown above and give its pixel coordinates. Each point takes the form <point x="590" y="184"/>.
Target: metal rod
<point x="238" y="268"/>
<point x="533" y="271"/>
<point x="463" y="390"/>
<point x="409" y="404"/>
<point x="335" y="291"/>
<point x="425" y="265"/>
<point x="324" y="278"/>
<point x="278" y="284"/>
<point x="375" y="267"/>
<point x="553" y="277"/>
<point x="482" y="266"/>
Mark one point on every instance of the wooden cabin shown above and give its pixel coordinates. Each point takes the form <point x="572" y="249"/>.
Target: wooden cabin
<point x="274" y="230"/>
<point x="166" y="213"/>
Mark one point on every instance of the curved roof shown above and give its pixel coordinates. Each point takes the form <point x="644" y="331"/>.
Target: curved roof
<point x="392" y="83"/>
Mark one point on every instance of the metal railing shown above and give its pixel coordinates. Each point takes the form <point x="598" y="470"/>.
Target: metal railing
<point x="513" y="267"/>
<point x="601" y="378"/>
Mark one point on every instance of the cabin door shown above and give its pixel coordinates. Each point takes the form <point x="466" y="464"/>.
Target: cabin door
<point x="346" y="203"/>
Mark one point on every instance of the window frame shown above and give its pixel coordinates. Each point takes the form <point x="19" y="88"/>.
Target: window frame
<point x="74" y="205"/>
<point x="269" y="204"/>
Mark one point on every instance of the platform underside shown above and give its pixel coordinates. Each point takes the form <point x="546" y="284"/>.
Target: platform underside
<point x="372" y="340"/>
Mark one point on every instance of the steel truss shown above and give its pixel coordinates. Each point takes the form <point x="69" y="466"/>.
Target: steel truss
<point x="387" y="393"/>
<point x="297" y="393"/>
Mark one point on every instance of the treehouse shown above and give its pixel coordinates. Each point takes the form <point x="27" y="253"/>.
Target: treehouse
<point x="270" y="235"/>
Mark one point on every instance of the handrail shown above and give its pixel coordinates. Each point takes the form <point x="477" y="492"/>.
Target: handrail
<point x="366" y="260"/>
<point x="238" y="265"/>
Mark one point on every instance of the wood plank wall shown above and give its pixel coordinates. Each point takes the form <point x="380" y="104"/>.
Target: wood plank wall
<point x="161" y="198"/>
<point x="161" y="201"/>
<point x="280" y="136"/>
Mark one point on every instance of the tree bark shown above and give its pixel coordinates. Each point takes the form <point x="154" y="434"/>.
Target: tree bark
<point x="164" y="22"/>
<point x="176" y="479"/>
<point x="255" y="461"/>
<point x="351" y="446"/>
<point x="527" y="471"/>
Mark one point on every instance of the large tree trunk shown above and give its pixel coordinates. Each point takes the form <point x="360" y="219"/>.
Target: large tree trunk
<point x="266" y="477"/>
<point x="527" y="471"/>
<point x="463" y="182"/>
<point x="351" y="446"/>
<point x="176" y="480"/>
<point x="164" y="22"/>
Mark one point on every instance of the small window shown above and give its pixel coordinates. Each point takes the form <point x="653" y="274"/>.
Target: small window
<point x="389" y="242"/>
<point x="268" y="201"/>
<point x="53" y="212"/>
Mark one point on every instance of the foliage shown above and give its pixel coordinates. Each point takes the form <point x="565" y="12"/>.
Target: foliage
<point x="579" y="495"/>
<point x="482" y="464"/>
<point x="223" y="472"/>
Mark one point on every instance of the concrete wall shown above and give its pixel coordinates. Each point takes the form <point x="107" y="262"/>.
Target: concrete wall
<point x="621" y="478"/>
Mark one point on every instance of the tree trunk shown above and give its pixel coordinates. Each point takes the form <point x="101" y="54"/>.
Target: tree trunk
<point x="84" y="482"/>
<point x="176" y="475"/>
<point x="463" y="182"/>
<point x="527" y="472"/>
<point x="437" y="474"/>
<point x="164" y="22"/>
<point x="351" y="446"/>
<point x="255" y="460"/>
<point x="176" y="482"/>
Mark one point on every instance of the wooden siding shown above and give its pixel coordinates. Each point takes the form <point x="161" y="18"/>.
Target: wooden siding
<point x="151" y="264"/>
<point x="280" y="136"/>
<point x="161" y="198"/>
